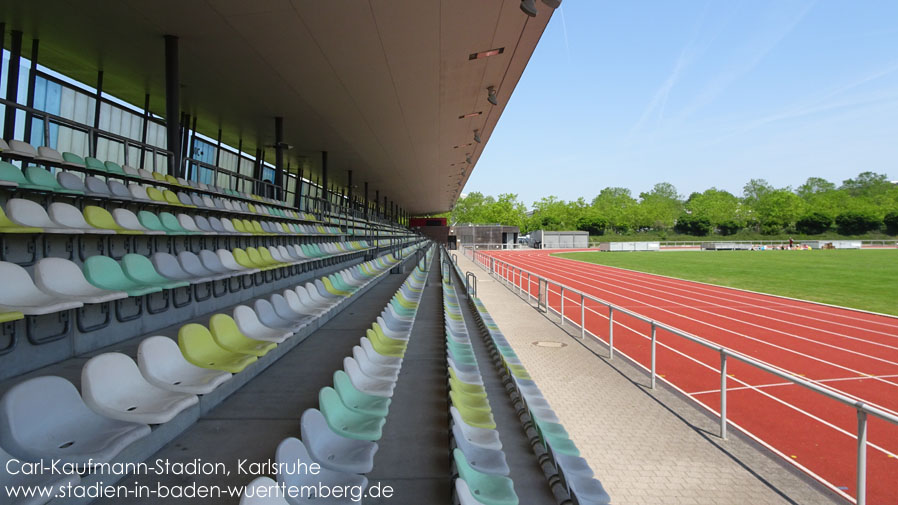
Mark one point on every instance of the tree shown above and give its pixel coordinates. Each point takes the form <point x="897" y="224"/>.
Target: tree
<point x="867" y="184"/>
<point x="595" y="225"/>
<point x="814" y="223"/>
<point x="715" y="205"/>
<point x="891" y="222"/>
<point x="754" y="190"/>
<point x="617" y="206"/>
<point x="778" y="207"/>
<point x="857" y="223"/>
<point x="814" y="186"/>
<point x="689" y="224"/>
<point x="660" y="207"/>
<point x="729" y="227"/>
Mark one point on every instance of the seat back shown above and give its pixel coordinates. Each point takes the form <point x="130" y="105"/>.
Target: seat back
<point x="210" y="260"/>
<point x="168" y="266"/>
<point x="127" y="219"/>
<point x="114" y="168"/>
<point x="27" y="213"/>
<point x="11" y="173"/>
<point x="150" y="221"/>
<point x="97" y="187"/>
<point x="73" y="158"/>
<point x="138" y="192"/>
<point x="119" y="190"/>
<point x="67" y="215"/>
<point x="99" y="218"/>
<point x="70" y="181"/>
<point x="61" y="277"/>
<point x="95" y="164"/>
<point x="41" y="177"/>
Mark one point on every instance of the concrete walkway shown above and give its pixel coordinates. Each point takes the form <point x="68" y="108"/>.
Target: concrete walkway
<point x="647" y="447"/>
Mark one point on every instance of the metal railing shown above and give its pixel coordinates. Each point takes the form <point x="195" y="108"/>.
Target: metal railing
<point x="700" y="243"/>
<point x="515" y="278"/>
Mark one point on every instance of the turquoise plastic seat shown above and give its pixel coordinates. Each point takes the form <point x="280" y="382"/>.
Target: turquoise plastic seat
<point x="358" y="401"/>
<point x="151" y="221"/>
<point x="140" y="269"/>
<point x="42" y="179"/>
<point x="171" y="224"/>
<point x="114" y="168"/>
<point x="95" y="164"/>
<point x="487" y="489"/>
<point x="105" y="273"/>
<point x="347" y="422"/>
<point x="10" y="173"/>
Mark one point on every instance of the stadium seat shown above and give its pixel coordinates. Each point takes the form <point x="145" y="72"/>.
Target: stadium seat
<point x="45" y="418"/>
<point x="268" y="316"/>
<point x="168" y="266"/>
<point x="372" y="369"/>
<point x="357" y="400"/>
<point x="347" y="422"/>
<point x="34" y="481"/>
<point x="71" y="182"/>
<point x="212" y="262"/>
<point x="376" y="357"/>
<point x="94" y="186"/>
<point x="228" y="336"/>
<point x="27" y="214"/>
<point x="364" y="383"/>
<point x="10" y="175"/>
<point x="247" y="320"/>
<point x="228" y="260"/>
<point x="151" y="221"/>
<point x="488" y="489"/>
<point x="43" y="179"/>
<point x="284" y="311"/>
<point x="7" y="226"/>
<point x="138" y="192"/>
<point x="99" y="217"/>
<point x="193" y="265"/>
<point x="94" y="164"/>
<point x="7" y="316"/>
<point x="129" y="221"/>
<point x="106" y="273"/>
<point x="490" y="461"/>
<point x="73" y="160"/>
<point x="291" y="450"/>
<point x="62" y="278"/>
<point x="21" y="295"/>
<point x="140" y="269"/>
<point x="200" y="349"/>
<point x="291" y="296"/>
<point x="163" y="365"/>
<point x="334" y="451"/>
<point x="263" y="491"/>
<point x="119" y="191"/>
<point x="114" y="168"/>
<point x="112" y="385"/>
<point x="172" y="225"/>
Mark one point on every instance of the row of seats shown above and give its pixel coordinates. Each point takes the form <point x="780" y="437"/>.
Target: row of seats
<point x="341" y="434"/>
<point x="60" y="284"/>
<point x="478" y="458"/>
<point x="45" y="418"/>
<point x="37" y="178"/>
<point x="575" y="471"/>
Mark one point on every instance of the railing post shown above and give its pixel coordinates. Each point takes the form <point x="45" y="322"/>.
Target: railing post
<point x="610" y="332"/>
<point x="582" y="317"/>
<point x="654" y="341"/>
<point x="529" y="283"/>
<point x="562" y="305"/>
<point x="723" y="394"/>
<point x="861" y="457"/>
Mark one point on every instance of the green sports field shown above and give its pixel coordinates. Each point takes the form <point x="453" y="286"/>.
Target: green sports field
<point x="862" y="279"/>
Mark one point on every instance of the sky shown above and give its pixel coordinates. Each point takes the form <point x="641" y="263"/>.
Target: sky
<point x="699" y="94"/>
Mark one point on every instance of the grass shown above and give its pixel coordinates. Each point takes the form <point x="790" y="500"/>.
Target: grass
<point x="862" y="279"/>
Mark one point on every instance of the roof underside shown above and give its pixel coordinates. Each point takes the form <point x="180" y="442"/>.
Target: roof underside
<point x="379" y="85"/>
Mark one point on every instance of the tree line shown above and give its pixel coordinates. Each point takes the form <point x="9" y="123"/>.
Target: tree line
<point x="865" y="204"/>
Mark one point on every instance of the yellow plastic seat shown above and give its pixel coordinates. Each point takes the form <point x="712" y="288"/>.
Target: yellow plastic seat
<point x="238" y="225"/>
<point x="244" y="260"/>
<point x="248" y="226"/>
<point x="6" y="317"/>
<point x="475" y="417"/>
<point x="7" y="226"/>
<point x="155" y="194"/>
<point x="252" y="208"/>
<point x="256" y="227"/>
<point x="172" y="198"/>
<point x="256" y="257"/>
<point x="228" y="336"/>
<point x="159" y="176"/>
<point x="329" y="286"/>
<point x="199" y="348"/>
<point x="464" y="387"/>
<point x="518" y="371"/>
<point x="472" y="401"/>
<point x="385" y="345"/>
<point x="99" y="217"/>
<point x="172" y="180"/>
<point x="268" y="258"/>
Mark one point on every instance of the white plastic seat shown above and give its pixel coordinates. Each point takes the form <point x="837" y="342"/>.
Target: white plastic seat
<point x="291" y="450"/>
<point x="112" y="385"/>
<point x="189" y="224"/>
<point x="393" y="330"/>
<point x="168" y="266"/>
<point x="249" y="324"/>
<point x="145" y="174"/>
<point x="228" y="226"/>
<point x="268" y="316"/>
<point x="334" y="451"/>
<point x="20" y="148"/>
<point x="308" y="300"/>
<point x="28" y="480"/>
<point x="95" y="186"/>
<point x="263" y="491"/>
<point x="226" y="258"/>
<point x="64" y="279"/>
<point x="118" y="190"/>
<point x="366" y="383"/>
<point x="50" y="155"/>
<point x="297" y="305"/>
<point x="491" y="461"/>
<point x="130" y="171"/>
<point x="588" y="491"/>
<point x="284" y="311"/>
<point x="208" y="202"/>
<point x="570" y="465"/>
<point x="376" y="357"/>
<point x="45" y="418"/>
<point x="26" y="297"/>
<point x="69" y="216"/>
<point x="315" y="295"/>
<point x="211" y="261"/>
<point x="27" y="213"/>
<point x="193" y="265"/>
<point x="128" y="220"/>
<point x="373" y="370"/>
<point x="162" y="364"/>
<point x="483" y="437"/>
<point x="138" y="192"/>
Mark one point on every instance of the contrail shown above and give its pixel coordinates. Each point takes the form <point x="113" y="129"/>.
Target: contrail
<point x="564" y="30"/>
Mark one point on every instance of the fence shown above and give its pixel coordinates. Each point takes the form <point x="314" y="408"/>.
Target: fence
<point x="523" y="281"/>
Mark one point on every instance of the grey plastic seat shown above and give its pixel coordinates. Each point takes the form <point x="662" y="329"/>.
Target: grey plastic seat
<point x="188" y="223"/>
<point x="145" y="174"/>
<point x="95" y="186"/>
<point x="62" y="278"/>
<point x="45" y="418"/>
<point x="263" y="491"/>
<point x="130" y="171"/>
<point x="169" y="266"/>
<point x="184" y="198"/>
<point x="26" y="297"/>
<point x="291" y="450"/>
<point x="269" y="317"/>
<point x="208" y="202"/>
<point x="27" y="213"/>
<point x="49" y="155"/>
<point x="212" y="262"/>
<point x="37" y="480"/>
<point x="22" y="149"/>
<point x="284" y="311"/>
<point x="112" y="385"/>
<point x="204" y="225"/>
<point x="128" y="220"/>
<point x="334" y="451"/>
<point x="588" y="491"/>
<point x="70" y="217"/>
<point x="249" y="324"/>
<point x="138" y="192"/>
<point x="229" y="226"/>
<point x="482" y="437"/>
<point x="70" y="181"/>
<point x="491" y="461"/>
<point x="193" y="265"/>
<point x="217" y="227"/>
<point x="162" y="364"/>
<point x="197" y="200"/>
<point x="119" y="190"/>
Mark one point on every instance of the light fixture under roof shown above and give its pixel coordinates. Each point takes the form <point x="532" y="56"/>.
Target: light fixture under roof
<point x="529" y="7"/>
<point x="491" y="95"/>
<point x="486" y="54"/>
<point x="470" y="114"/>
<point x="468" y="159"/>
<point x="553" y="3"/>
<point x="477" y="136"/>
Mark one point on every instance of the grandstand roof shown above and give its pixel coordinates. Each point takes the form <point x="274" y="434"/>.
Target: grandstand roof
<point x="379" y="85"/>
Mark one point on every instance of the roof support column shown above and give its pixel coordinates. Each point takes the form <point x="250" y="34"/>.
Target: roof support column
<point x="349" y="191"/>
<point x="143" y="133"/>
<point x="325" y="192"/>
<point x="172" y="104"/>
<point x="32" y="76"/>
<point x="366" y="201"/>
<point x="94" y="134"/>
<point x="279" y="157"/>
<point x="12" y="83"/>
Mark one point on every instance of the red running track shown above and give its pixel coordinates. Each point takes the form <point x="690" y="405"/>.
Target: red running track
<point x="851" y="352"/>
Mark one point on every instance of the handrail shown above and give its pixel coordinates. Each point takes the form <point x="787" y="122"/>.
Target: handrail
<point x="863" y="410"/>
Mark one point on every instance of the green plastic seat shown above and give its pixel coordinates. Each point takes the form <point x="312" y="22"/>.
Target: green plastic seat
<point x="488" y="489"/>
<point x="140" y="269"/>
<point x="402" y="311"/>
<point x="547" y="428"/>
<point x="114" y="168"/>
<point x="106" y="273"/>
<point x="476" y="417"/>
<point x="358" y="401"/>
<point x="472" y="402"/>
<point x="151" y="221"/>
<point x="73" y="158"/>
<point x="94" y="164"/>
<point x="171" y="224"/>
<point x="7" y="226"/>
<point x="40" y="178"/>
<point x="347" y="422"/>
<point x="561" y="444"/>
<point x="11" y="173"/>
<point x="99" y="217"/>
<point x="6" y="317"/>
<point x="199" y="348"/>
<point x="228" y="336"/>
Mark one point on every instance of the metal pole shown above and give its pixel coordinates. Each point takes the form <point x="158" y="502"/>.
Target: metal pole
<point x="529" y="283"/>
<point x="12" y="83"/>
<point x="29" y="100"/>
<point x="610" y="332"/>
<point x="861" y="457"/>
<point x="562" y="306"/>
<point x="723" y="394"/>
<point x="172" y="104"/>
<point x="582" y="317"/>
<point x="654" y="341"/>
